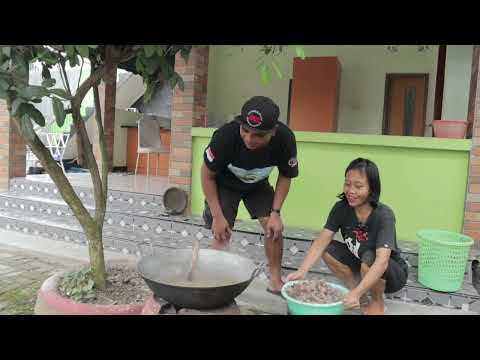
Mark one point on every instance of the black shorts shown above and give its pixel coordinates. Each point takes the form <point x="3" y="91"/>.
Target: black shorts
<point x="395" y="276"/>
<point x="258" y="203"/>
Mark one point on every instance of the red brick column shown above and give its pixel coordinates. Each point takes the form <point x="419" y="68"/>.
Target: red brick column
<point x="12" y="149"/>
<point x="18" y="153"/>
<point x="471" y="223"/>
<point x="189" y="108"/>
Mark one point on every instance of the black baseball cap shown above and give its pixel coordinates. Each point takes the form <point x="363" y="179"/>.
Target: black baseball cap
<point x="259" y="113"/>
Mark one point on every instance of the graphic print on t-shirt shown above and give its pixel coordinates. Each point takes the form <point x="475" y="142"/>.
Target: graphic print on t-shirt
<point x="353" y="247"/>
<point x="250" y="176"/>
<point x="359" y="235"/>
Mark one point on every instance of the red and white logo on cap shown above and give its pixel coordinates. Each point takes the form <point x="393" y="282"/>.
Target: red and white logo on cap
<point x="210" y="155"/>
<point x="254" y="118"/>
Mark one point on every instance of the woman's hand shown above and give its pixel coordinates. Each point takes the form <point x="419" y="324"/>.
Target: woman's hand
<point x="297" y="275"/>
<point x="351" y="300"/>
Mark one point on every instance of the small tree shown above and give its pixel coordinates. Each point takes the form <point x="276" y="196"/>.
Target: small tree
<point x="150" y="61"/>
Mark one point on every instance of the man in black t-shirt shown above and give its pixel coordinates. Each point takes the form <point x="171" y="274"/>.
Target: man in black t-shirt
<point x="237" y="164"/>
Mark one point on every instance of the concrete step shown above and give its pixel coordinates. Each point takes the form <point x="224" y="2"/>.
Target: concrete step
<point x="116" y="200"/>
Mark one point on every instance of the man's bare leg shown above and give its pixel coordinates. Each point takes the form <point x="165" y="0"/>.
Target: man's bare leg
<point x="274" y="253"/>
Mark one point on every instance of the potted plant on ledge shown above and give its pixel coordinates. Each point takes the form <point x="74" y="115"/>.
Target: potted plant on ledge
<point x="451" y="129"/>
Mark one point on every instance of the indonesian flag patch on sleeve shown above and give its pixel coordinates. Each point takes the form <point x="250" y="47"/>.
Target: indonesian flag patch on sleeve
<point x="210" y="155"/>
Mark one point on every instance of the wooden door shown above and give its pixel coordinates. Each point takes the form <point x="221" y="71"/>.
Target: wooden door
<point x="405" y="104"/>
<point x="313" y="105"/>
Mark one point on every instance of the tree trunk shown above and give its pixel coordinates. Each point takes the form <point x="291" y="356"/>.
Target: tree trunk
<point x="80" y="155"/>
<point x="95" y="252"/>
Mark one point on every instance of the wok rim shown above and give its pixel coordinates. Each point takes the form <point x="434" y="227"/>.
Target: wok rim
<point x="143" y="274"/>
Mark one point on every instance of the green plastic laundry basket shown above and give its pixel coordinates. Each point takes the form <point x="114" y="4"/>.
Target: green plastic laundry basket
<point x="442" y="259"/>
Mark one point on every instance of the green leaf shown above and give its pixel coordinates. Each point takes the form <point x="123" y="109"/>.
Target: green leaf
<point x="70" y="50"/>
<point x="60" y="93"/>
<point x="185" y="54"/>
<point x="149" y="49"/>
<point x="151" y="64"/>
<point x="50" y="58"/>
<point x="74" y="61"/>
<point x="4" y="84"/>
<point x="165" y="67"/>
<point x="139" y="65"/>
<point x="92" y="46"/>
<point x="181" y="84"/>
<point x="265" y="74"/>
<point x="300" y="52"/>
<point x="277" y="69"/>
<point x="58" y="111"/>
<point x="16" y="104"/>
<point x="30" y="111"/>
<point x="21" y="65"/>
<point x="48" y="82"/>
<point x="82" y="50"/>
<point x="7" y="50"/>
<point x="32" y="91"/>
<point x="3" y="94"/>
<point x="173" y="80"/>
<point x="161" y="49"/>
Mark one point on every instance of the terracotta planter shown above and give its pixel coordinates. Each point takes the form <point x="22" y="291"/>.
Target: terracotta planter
<point x="51" y="302"/>
<point x="451" y="129"/>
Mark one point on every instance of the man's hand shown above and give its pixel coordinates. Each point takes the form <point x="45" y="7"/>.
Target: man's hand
<point x="352" y="300"/>
<point x="297" y="275"/>
<point x="274" y="226"/>
<point x="221" y="232"/>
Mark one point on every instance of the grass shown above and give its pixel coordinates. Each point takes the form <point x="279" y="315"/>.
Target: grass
<point x="19" y="301"/>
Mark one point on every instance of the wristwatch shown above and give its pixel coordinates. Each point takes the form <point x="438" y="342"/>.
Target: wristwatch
<point x="276" y="210"/>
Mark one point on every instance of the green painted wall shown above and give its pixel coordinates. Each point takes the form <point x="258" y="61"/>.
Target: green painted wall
<point x="423" y="179"/>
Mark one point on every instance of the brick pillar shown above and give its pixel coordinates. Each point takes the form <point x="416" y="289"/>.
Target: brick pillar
<point x="189" y="108"/>
<point x="4" y="146"/>
<point x="12" y="149"/>
<point x="471" y="223"/>
<point x="18" y="153"/>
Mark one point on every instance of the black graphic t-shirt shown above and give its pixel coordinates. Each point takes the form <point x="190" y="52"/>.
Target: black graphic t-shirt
<point x="240" y="169"/>
<point x="377" y="232"/>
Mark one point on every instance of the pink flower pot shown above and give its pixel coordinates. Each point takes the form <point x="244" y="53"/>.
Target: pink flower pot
<point x="51" y="302"/>
<point x="451" y="129"/>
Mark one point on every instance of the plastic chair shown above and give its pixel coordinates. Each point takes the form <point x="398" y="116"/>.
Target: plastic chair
<point x="149" y="141"/>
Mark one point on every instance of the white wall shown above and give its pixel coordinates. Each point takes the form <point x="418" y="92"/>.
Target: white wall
<point x="233" y="78"/>
<point x="458" y="69"/>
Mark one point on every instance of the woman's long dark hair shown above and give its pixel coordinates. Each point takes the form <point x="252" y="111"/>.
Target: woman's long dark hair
<point x="369" y="168"/>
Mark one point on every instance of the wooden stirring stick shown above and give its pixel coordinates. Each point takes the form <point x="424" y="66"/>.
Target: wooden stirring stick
<point x="196" y="248"/>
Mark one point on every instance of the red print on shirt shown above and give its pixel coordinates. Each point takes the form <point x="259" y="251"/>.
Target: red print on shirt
<point x="360" y="235"/>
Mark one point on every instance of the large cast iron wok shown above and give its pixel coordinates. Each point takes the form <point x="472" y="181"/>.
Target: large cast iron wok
<point x="219" y="277"/>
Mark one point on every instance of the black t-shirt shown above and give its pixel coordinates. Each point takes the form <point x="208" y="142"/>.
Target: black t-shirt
<point x="240" y="169"/>
<point x="377" y="232"/>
